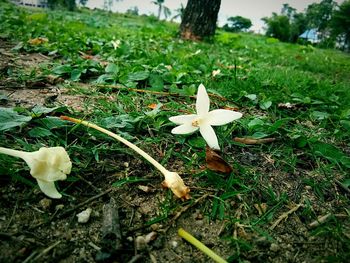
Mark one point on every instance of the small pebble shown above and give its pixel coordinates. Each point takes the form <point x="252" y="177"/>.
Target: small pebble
<point x="174" y="243"/>
<point x="84" y="216"/>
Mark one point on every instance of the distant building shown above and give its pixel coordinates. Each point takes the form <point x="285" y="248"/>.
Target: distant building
<point x="31" y="3"/>
<point x="311" y="35"/>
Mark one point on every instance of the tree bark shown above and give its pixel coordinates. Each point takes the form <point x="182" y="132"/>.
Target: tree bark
<point x="199" y="19"/>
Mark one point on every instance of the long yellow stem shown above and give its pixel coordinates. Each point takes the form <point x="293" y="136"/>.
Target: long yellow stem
<point x="184" y="234"/>
<point x="172" y="179"/>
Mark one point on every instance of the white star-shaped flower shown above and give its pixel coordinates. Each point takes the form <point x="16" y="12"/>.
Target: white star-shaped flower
<point x="204" y="119"/>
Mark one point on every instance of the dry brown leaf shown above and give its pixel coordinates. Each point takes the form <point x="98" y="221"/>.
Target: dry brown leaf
<point x="253" y="141"/>
<point x="216" y="163"/>
<point x="152" y="106"/>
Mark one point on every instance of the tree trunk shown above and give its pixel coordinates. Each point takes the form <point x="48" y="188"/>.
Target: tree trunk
<point x="199" y="19"/>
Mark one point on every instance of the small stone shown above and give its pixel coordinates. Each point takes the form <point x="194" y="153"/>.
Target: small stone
<point x="174" y="243"/>
<point x="45" y="203"/>
<point x="274" y="247"/>
<point x="84" y="216"/>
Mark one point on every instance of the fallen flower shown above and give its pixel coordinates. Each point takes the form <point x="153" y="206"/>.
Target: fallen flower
<point x="172" y="179"/>
<point x="216" y="72"/>
<point x="204" y="119"/>
<point x="47" y="165"/>
<point x="116" y="43"/>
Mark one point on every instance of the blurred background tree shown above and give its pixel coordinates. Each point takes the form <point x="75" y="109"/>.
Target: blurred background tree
<point x="340" y="24"/>
<point x="237" y="24"/>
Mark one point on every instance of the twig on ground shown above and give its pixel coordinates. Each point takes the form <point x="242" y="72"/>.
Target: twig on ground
<point x="45" y="251"/>
<point x="320" y="220"/>
<point x="284" y="216"/>
<point x="253" y="141"/>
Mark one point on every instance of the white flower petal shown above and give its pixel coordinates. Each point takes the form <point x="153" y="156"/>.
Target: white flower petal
<point x="221" y="117"/>
<point x="184" y="129"/>
<point x="209" y="136"/>
<point x="49" y="189"/>
<point x="182" y="119"/>
<point x="202" y="102"/>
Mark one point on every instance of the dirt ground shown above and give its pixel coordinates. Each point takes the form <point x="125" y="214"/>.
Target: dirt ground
<point x="34" y="228"/>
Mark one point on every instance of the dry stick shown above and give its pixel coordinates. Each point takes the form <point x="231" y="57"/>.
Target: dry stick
<point x="253" y="141"/>
<point x="161" y="93"/>
<point x="45" y="251"/>
<point x="285" y="215"/>
<point x="320" y="220"/>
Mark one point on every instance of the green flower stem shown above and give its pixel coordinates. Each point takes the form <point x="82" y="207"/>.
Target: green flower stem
<point x="187" y="236"/>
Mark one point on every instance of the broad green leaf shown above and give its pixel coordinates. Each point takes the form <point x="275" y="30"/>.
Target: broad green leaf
<point x="75" y="74"/>
<point x="112" y="68"/>
<point x="139" y="75"/>
<point x="38" y="110"/>
<point x="255" y="122"/>
<point x="156" y="82"/>
<point x="10" y="119"/>
<point x="319" y="115"/>
<point x="39" y="132"/>
<point x="251" y="96"/>
<point x="264" y="105"/>
<point x="331" y="153"/>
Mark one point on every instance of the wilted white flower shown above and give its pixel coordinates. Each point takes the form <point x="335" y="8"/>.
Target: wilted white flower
<point x="204" y="119"/>
<point x="116" y="43"/>
<point x="47" y="165"/>
<point x="215" y="72"/>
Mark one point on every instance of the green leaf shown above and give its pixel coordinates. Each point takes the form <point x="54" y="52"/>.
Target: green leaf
<point x="52" y="122"/>
<point x="10" y="119"/>
<point x="61" y="70"/>
<point x="255" y="122"/>
<point x="139" y="75"/>
<point x="112" y="68"/>
<point x="331" y="153"/>
<point x="75" y="74"/>
<point x="319" y="115"/>
<point x="264" y="105"/>
<point x="156" y="82"/>
<point x="197" y="142"/>
<point x="39" y="110"/>
<point x="251" y="96"/>
<point x="38" y="132"/>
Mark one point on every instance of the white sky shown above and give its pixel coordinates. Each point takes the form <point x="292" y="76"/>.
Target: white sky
<point x="252" y="9"/>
